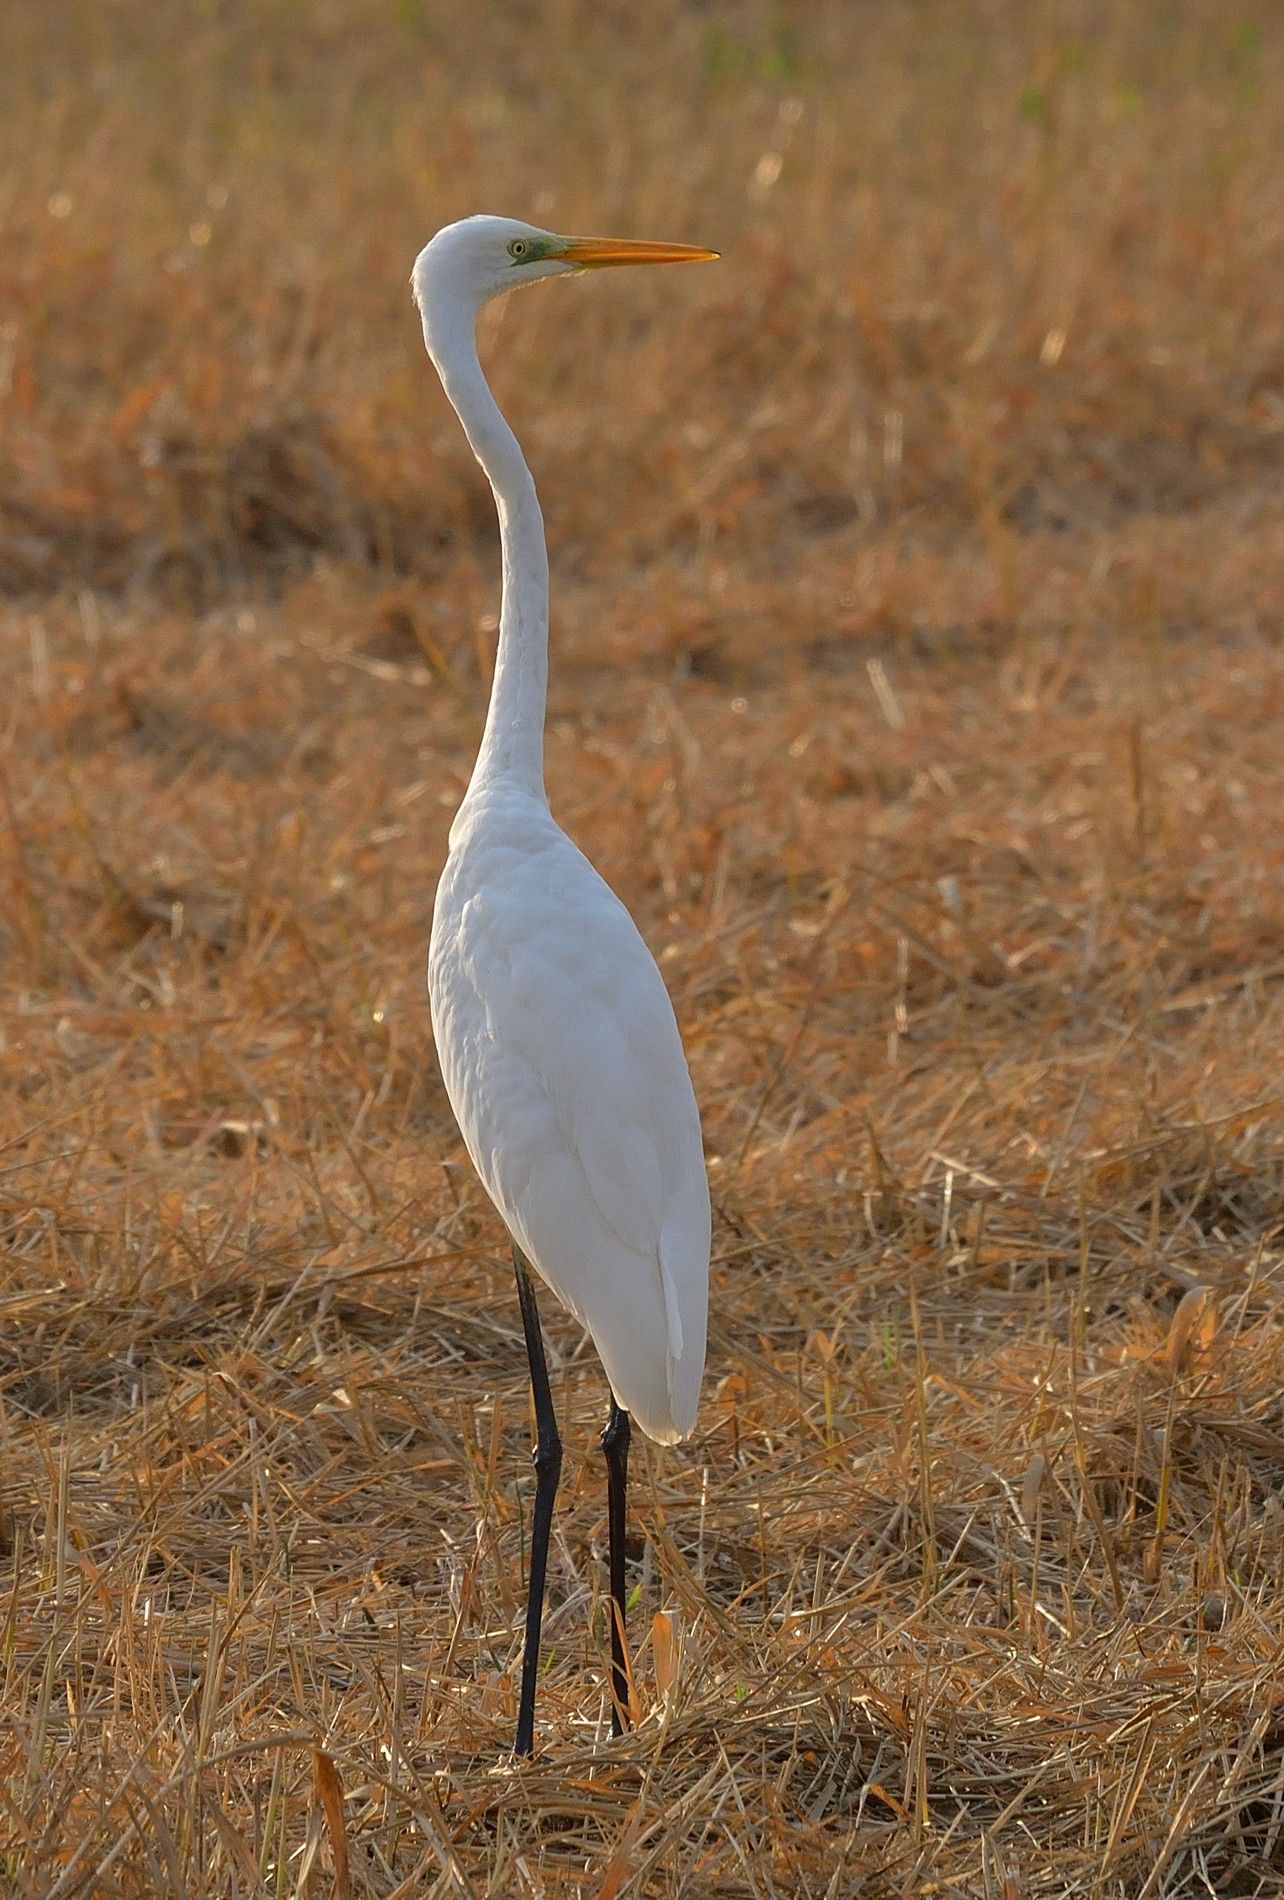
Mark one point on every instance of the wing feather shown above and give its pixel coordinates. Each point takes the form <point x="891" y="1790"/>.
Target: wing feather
<point x="564" y="1066"/>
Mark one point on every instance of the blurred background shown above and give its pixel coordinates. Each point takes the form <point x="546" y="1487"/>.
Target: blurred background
<point x="989" y="273"/>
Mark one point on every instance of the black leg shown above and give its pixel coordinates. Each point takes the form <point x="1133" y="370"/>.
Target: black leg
<point x="615" y="1443"/>
<point x="547" y="1460"/>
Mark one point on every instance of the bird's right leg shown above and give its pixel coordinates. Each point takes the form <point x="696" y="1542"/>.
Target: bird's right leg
<point x="615" y="1443"/>
<point x="547" y="1459"/>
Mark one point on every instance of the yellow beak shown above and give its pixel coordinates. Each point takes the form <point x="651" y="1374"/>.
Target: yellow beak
<point x="594" y="253"/>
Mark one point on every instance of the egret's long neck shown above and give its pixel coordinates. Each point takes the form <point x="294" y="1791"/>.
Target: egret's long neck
<point x="512" y="746"/>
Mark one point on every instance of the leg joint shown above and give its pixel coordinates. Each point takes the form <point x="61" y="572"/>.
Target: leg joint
<point x="547" y="1457"/>
<point x="617" y="1432"/>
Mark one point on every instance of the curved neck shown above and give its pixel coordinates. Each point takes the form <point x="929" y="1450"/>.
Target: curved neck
<point x="512" y="746"/>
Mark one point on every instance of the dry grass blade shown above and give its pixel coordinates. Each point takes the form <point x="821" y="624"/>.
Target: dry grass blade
<point x="330" y="1795"/>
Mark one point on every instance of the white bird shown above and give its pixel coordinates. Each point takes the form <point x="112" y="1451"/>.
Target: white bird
<point x="555" y="1033"/>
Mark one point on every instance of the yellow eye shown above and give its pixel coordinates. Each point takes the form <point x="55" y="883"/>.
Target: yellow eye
<point x="517" y="249"/>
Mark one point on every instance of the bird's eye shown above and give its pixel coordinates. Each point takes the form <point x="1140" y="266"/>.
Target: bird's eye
<point x="518" y="249"/>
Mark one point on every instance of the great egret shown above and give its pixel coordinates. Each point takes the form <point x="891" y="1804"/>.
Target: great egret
<point x="554" y="1030"/>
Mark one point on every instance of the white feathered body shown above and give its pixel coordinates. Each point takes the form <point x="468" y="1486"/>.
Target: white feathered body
<point x="563" y="1064"/>
<point x="554" y="1031"/>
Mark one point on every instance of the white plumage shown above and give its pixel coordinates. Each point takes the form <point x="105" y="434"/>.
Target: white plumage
<point x="555" y="1034"/>
<point x="563" y="1065"/>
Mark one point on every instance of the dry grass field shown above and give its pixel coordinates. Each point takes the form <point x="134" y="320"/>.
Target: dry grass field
<point x="918" y="679"/>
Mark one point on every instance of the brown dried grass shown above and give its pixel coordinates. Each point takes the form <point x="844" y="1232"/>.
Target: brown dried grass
<point x="918" y="681"/>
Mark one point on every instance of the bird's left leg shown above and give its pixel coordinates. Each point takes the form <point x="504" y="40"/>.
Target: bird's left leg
<point x="615" y="1443"/>
<point x="547" y="1459"/>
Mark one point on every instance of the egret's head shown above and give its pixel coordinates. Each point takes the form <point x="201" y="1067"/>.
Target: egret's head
<point x="468" y="263"/>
